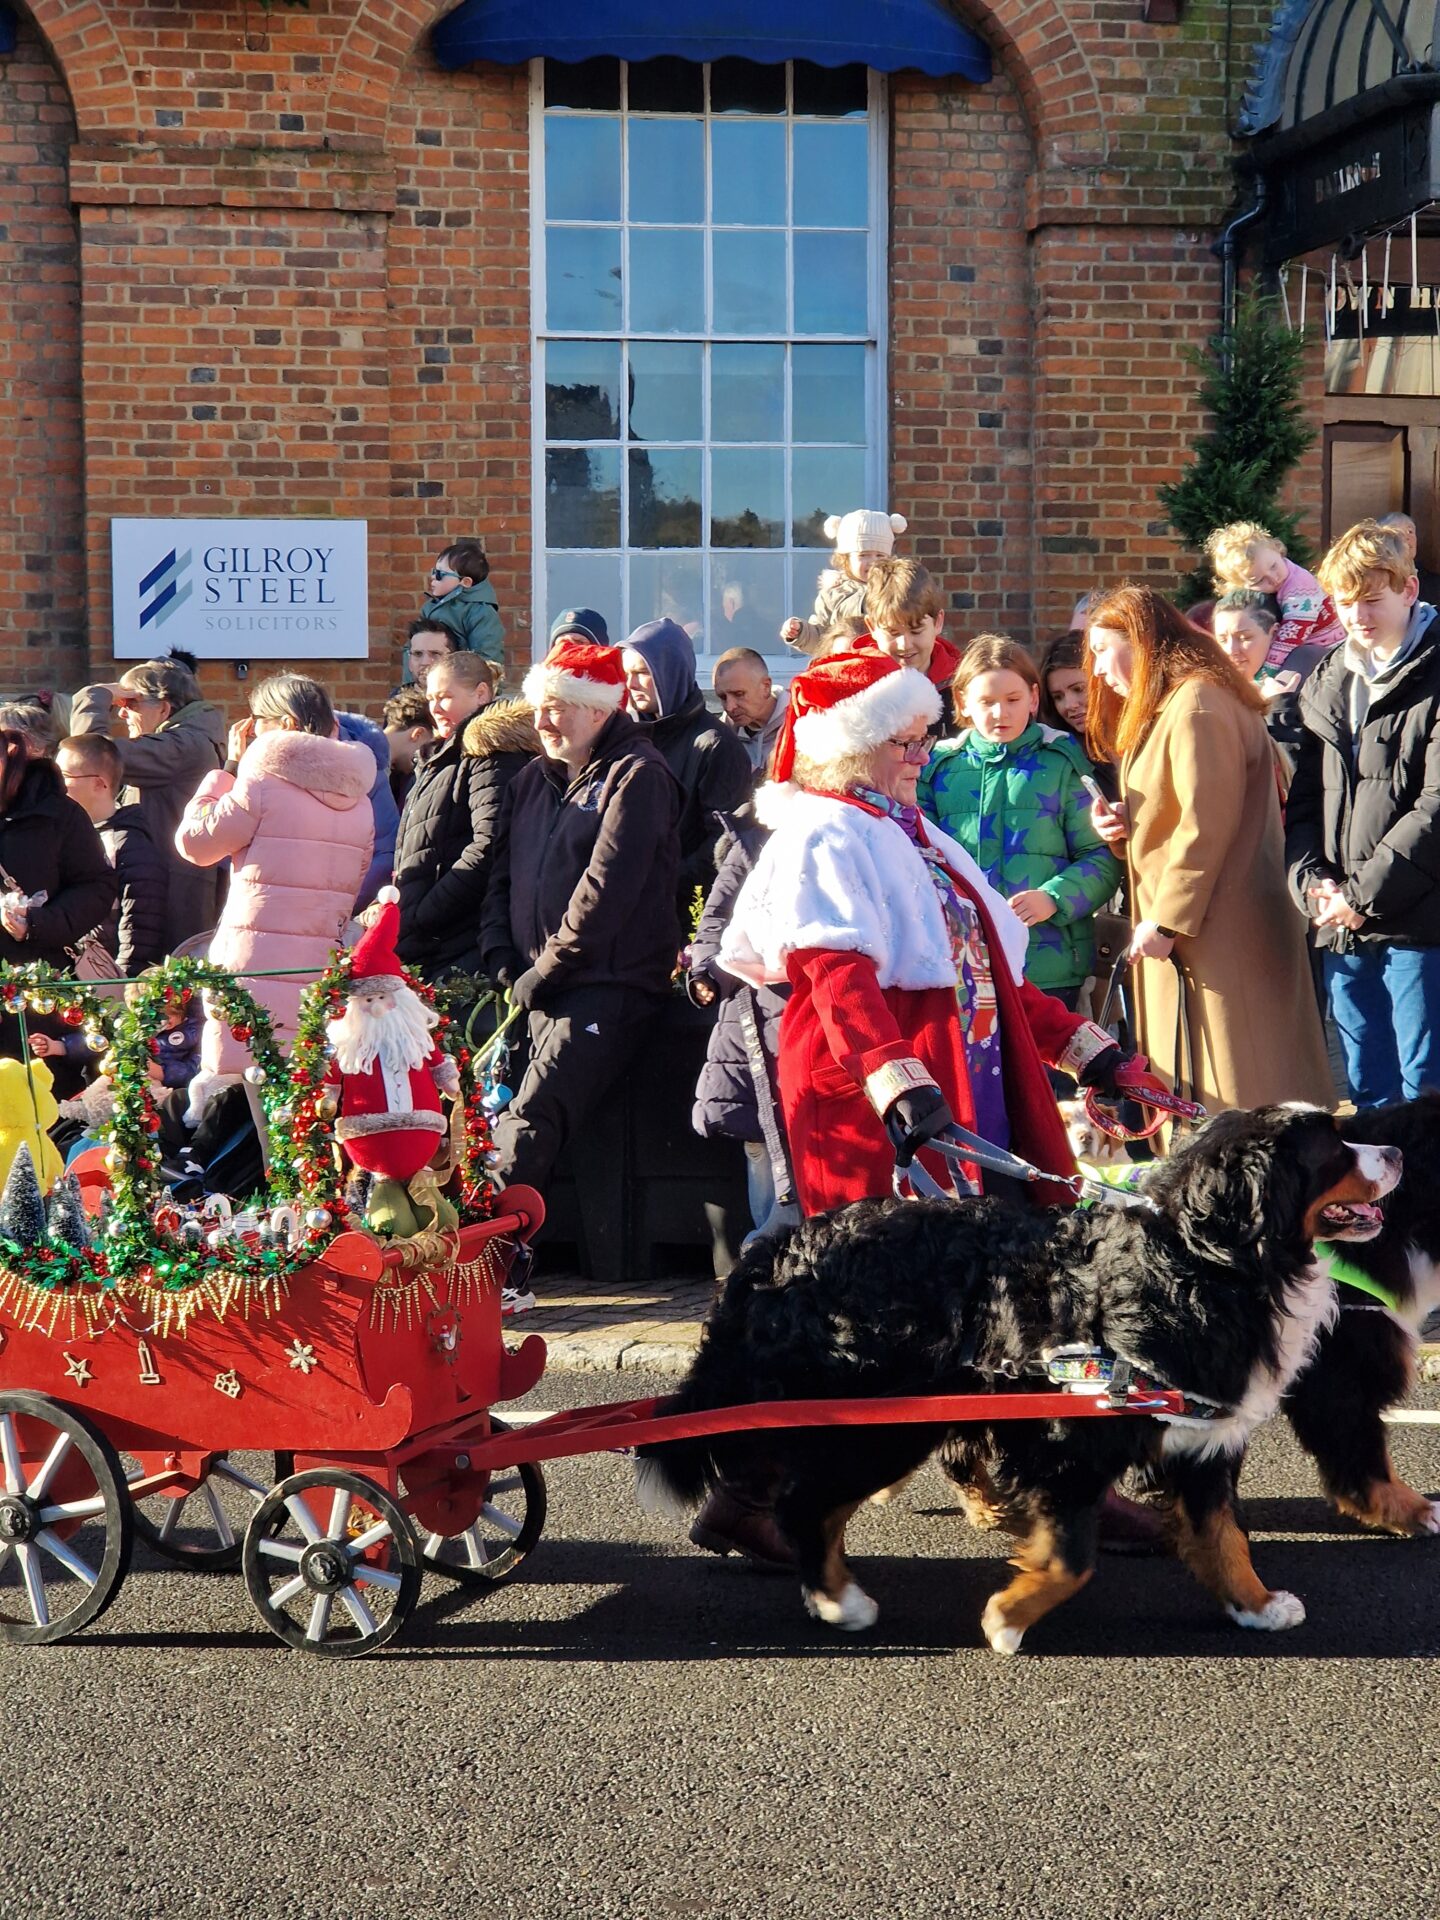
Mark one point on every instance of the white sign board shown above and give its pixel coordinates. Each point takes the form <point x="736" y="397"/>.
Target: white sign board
<point x="240" y="589"/>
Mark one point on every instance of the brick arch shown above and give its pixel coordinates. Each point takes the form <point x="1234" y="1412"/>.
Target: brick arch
<point x="92" y="63"/>
<point x="1035" y="41"/>
<point x="1039" y="50"/>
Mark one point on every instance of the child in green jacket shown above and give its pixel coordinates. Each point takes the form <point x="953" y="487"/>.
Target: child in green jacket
<point x="462" y="599"/>
<point x="1009" y="790"/>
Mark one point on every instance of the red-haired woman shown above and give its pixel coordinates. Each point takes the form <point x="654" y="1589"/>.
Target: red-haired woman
<point x="1199" y="826"/>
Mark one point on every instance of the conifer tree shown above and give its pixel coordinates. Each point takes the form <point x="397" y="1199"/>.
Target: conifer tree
<point x="1250" y="386"/>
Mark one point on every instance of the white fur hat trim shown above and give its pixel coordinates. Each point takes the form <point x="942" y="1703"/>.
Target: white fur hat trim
<point x="867" y="718"/>
<point x="544" y="684"/>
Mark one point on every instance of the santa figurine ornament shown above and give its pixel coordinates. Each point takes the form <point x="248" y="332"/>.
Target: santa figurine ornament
<point x="390" y="1075"/>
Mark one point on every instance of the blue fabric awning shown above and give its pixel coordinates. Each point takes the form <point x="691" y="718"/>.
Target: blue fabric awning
<point x="9" y="28"/>
<point x="886" y="34"/>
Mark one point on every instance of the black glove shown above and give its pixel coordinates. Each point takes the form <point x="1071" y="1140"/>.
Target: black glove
<point x="503" y="968"/>
<point x="914" y="1118"/>
<point x="529" y="990"/>
<point x="1100" y="1071"/>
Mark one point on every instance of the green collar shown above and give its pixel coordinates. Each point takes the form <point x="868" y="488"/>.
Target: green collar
<point x="1346" y="1274"/>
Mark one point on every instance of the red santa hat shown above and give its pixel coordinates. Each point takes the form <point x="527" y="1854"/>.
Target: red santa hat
<point x="374" y="961"/>
<point x="849" y="703"/>
<point x="578" y="670"/>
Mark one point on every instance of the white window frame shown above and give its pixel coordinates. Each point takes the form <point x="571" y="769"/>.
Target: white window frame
<point x="877" y="416"/>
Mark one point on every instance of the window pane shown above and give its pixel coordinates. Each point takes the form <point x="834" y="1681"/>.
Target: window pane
<point x="585" y="83"/>
<point x="667" y="170"/>
<point x="747" y="173"/>
<point x="827" y="400"/>
<point x="582" y="169"/>
<point x="747" y="602"/>
<point x="830" y="289"/>
<point x="830" y="90"/>
<point x="582" y="279"/>
<point x="747" y="499"/>
<point x="582" y="580"/>
<point x="664" y="497"/>
<point x="749" y="271"/>
<point x="832" y="170"/>
<point x="667" y="86"/>
<point x="665" y="392"/>
<point x="821" y="484"/>
<point x="741" y="86"/>
<point x="582" y="390"/>
<point x="667" y="587"/>
<point x="582" y="496"/>
<point x="667" y="280"/>
<point x="747" y="393"/>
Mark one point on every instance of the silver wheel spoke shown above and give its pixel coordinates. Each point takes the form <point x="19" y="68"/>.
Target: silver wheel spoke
<point x="223" y="1470"/>
<point x="57" y="1549"/>
<point x="34" y="1583"/>
<point x="40" y="1485"/>
<point x="87" y="1509"/>
<point x="433" y="1543"/>
<point x="305" y="1520"/>
<point x="292" y="1589"/>
<point x="282" y="1550"/>
<point x="224" y="1533"/>
<point x="509" y="1483"/>
<point x="339" y="1514"/>
<point x="172" y="1517"/>
<point x="376" y="1577"/>
<point x="359" y="1612"/>
<point x="10" y="1453"/>
<point x="476" y="1551"/>
<point x="512" y="1529"/>
<point x="319" y="1616"/>
<point x="371" y="1537"/>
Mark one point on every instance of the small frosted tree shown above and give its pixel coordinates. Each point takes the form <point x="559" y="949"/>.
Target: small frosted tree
<point x="1251" y="389"/>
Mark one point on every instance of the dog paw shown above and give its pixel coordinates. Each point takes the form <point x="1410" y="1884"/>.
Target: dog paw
<point x="853" y="1612"/>
<point x="1002" y="1637"/>
<point x="1432" y="1524"/>
<point x="1280" y="1611"/>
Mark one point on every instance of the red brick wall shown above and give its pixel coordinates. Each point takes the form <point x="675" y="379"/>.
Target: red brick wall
<point x="305" y="271"/>
<point x="42" y="562"/>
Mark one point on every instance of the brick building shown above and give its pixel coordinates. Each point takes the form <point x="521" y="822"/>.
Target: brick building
<point x="638" y="323"/>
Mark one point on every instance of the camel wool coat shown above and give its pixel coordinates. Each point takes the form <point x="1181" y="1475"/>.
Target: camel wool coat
<point x="1206" y="858"/>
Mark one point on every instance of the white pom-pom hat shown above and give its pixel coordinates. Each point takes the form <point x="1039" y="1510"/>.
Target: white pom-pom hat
<point x="863" y="531"/>
<point x="850" y="703"/>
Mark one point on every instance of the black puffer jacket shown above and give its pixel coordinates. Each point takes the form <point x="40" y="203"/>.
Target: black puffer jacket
<point x="445" y="847"/>
<point x="142" y="876"/>
<point x="583" y="888"/>
<point x="709" y="761"/>
<point x="1365" y="812"/>
<point x="47" y="844"/>
<point x="726" y="1095"/>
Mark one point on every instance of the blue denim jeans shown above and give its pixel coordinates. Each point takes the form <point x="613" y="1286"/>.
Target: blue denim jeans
<point x="1385" y="1002"/>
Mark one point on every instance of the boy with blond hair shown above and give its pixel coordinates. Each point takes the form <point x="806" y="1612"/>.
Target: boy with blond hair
<point x="904" y="612"/>
<point x="1362" y="824"/>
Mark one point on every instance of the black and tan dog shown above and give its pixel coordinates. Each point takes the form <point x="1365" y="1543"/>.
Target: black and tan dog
<point x="1213" y="1289"/>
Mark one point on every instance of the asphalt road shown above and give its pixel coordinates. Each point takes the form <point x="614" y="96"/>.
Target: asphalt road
<point x="631" y="1728"/>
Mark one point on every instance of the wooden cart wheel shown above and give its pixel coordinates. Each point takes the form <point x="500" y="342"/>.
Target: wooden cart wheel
<point x="506" y="1528"/>
<point x="66" y="1522"/>
<point x="203" y="1529"/>
<point x="338" y="1585"/>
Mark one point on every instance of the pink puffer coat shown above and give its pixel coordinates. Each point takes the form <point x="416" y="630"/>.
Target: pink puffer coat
<point x="295" y="822"/>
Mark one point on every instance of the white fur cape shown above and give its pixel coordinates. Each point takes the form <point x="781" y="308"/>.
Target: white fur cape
<point x="832" y="875"/>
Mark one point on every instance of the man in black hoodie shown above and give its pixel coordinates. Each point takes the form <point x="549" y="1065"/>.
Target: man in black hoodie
<point x="706" y="757"/>
<point x="90" y="766"/>
<point x="579" y="918"/>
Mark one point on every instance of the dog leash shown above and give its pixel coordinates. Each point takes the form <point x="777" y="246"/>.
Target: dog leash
<point x="1134" y="1081"/>
<point x="958" y="1144"/>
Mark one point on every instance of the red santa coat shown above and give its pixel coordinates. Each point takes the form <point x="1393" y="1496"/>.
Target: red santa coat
<point x="841" y="904"/>
<point x="391" y="1124"/>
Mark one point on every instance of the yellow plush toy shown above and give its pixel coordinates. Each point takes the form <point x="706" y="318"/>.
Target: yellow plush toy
<point x="27" y="1112"/>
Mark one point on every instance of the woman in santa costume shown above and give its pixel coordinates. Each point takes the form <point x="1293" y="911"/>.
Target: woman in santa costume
<point x="908" y="1006"/>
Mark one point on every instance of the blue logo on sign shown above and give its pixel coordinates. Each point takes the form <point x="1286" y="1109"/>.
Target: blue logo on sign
<point x="169" y="587"/>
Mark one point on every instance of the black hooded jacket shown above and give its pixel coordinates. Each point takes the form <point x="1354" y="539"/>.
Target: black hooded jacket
<point x="1364" y="810"/>
<point x="47" y="845"/>
<point x="136" y="933"/>
<point x="584" y="876"/>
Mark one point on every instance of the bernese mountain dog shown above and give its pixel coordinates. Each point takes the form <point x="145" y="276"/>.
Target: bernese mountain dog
<point x="1212" y="1288"/>
<point x="1364" y="1363"/>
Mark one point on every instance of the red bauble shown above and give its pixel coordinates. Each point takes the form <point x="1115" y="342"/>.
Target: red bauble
<point x="73" y="1016"/>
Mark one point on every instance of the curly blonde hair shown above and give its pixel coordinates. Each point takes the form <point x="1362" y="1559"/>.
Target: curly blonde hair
<point x="1231" y="550"/>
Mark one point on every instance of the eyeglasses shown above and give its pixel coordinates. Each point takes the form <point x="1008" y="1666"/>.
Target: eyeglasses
<point x="443" y="573"/>
<point x="916" y="752"/>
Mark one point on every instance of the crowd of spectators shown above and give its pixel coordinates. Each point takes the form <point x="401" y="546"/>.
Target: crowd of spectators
<point x="1255" y="784"/>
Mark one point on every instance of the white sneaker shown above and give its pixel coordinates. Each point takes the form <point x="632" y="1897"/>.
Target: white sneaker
<point x="512" y="1300"/>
